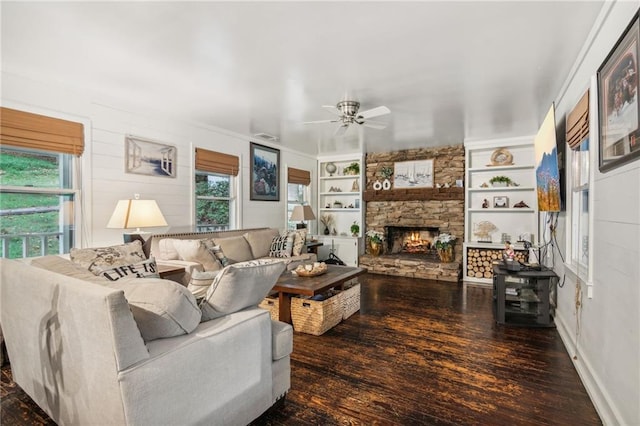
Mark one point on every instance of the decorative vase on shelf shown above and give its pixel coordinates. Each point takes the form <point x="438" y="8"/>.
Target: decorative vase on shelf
<point x="326" y="231"/>
<point x="330" y="168"/>
<point x="446" y="254"/>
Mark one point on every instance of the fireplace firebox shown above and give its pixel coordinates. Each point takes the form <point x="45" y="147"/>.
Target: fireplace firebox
<point x="412" y="240"/>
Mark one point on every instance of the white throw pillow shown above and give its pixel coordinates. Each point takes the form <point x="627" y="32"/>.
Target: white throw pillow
<point x="98" y="258"/>
<point x="200" y="282"/>
<point x="236" y="249"/>
<point x="146" y="269"/>
<point x="299" y="242"/>
<point x="260" y="241"/>
<point x="239" y="286"/>
<point x="196" y="251"/>
<point x="281" y="246"/>
<point x="166" y="249"/>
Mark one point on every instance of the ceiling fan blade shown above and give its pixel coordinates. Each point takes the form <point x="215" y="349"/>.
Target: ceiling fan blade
<point x="374" y="112"/>
<point x="332" y="109"/>
<point x="320" y="121"/>
<point x="341" y="130"/>
<point x="374" y="125"/>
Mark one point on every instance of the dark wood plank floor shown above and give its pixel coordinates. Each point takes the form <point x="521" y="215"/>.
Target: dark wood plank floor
<point x="418" y="352"/>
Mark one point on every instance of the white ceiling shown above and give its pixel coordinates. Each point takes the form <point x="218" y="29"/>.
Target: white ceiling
<point x="447" y="70"/>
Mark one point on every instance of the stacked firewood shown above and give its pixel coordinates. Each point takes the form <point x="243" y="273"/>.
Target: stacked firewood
<point x="480" y="261"/>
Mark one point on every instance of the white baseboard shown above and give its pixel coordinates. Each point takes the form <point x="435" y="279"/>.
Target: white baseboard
<point x="599" y="397"/>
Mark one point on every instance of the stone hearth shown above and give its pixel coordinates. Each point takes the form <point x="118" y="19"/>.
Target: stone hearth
<point x="437" y="208"/>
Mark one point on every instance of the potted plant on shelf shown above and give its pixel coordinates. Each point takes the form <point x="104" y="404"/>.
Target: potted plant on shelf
<point x="375" y="242"/>
<point x="500" y="181"/>
<point x="352" y="169"/>
<point x="444" y="246"/>
<point x="355" y="229"/>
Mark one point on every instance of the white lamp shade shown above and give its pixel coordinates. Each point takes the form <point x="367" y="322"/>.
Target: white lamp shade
<point x="136" y="214"/>
<point x="302" y="213"/>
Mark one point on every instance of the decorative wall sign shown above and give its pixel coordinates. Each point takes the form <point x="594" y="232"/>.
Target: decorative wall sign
<point x="265" y="173"/>
<point x="619" y="102"/>
<point x="500" y="202"/>
<point x="145" y="157"/>
<point x="413" y="174"/>
<point x="501" y="157"/>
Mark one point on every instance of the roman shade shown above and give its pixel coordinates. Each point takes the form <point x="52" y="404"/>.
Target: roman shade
<point x="578" y="122"/>
<point x="297" y="176"/>
<point x="33" y="131"/>
<point x="216" y="162"/>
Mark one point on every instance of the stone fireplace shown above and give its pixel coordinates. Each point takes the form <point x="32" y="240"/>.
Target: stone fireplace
<point x="412" y="218"/>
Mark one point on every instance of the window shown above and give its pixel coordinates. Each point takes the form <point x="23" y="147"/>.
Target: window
<point x="579" y="250"/>
<point x="215" y="201"/>
<point x="296" y="194"/>
<point x="37" y="203"/>
<point x="578" y="185"/>
<point x="298" y="182"/>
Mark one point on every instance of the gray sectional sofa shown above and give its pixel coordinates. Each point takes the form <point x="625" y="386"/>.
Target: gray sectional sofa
<point x="92" y="353"/>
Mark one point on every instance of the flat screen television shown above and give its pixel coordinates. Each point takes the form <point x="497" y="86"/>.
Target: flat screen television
<point x="548" y="182"/>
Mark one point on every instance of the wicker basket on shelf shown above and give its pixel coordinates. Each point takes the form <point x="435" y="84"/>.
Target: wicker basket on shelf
<point x="271" y="304"/>
<point x="316" y="316"/>
<point x="350" y="299"/>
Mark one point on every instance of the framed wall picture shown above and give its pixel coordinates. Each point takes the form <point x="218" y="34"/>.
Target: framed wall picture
<point x="265" y="173"/>
<point x="618" y="101"/>
<point x="146" y="157"/>
<point x="413" y="174"/>
<point x="500" y="202"/>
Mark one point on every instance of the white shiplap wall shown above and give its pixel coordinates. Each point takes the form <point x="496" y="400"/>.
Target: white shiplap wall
<point x="104" y="162"/>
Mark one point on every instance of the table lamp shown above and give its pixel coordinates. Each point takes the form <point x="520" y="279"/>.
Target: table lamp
<point x="302" y="213"/>
<point x="137" y="214"/>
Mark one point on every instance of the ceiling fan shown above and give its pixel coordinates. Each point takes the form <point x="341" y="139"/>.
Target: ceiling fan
<point x="347" y="112"/>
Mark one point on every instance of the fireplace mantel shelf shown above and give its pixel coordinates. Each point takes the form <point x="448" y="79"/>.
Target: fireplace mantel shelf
<point x="412" y="194"/>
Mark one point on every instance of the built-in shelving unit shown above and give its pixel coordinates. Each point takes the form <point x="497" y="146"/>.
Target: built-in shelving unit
<point x="340" y="195"/>
<point x="511" y="210"/>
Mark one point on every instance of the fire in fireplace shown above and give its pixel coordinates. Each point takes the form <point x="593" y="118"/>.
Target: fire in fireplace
<point x="411" y="240"/>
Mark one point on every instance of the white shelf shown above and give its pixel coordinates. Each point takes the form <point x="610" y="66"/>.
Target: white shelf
<point x="340" y="177"/>
<point x="324" y="209"/>
<point x="500" y="189"/>
<point x="504" y="210"/>
<point x="340" y="193"/>
<point x="500" y="168"/>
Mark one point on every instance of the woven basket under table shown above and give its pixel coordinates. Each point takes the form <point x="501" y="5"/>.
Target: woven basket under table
<point x="316" y="316"/>
<point x="272" y="305"/>
<point x="350" y="299"/>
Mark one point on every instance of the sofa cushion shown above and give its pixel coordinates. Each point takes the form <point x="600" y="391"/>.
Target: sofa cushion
<point x="144" y="269"/>
<point x="236" y="249"/>
<point x="161" y="308"/>
<point x="200" y="282"/>
<point x="97" y="258"/>
<point x="281" y="340"/>
<point x="239" y="286"/>
<point x="196" y="251"/>
<point x="260" y="241"/>
<point x="66" y="267"/>
<point x="281" y="246"/>
<point x="166" y="249"/>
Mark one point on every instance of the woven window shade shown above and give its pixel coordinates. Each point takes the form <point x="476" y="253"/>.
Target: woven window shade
<point x="297" y="176"/>
<point x="578" y="122"/>
<point x="216" y="162"/>
<point x="32" y="131"/>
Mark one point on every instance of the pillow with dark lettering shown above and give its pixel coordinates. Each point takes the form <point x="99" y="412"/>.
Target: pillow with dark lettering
<point x="146" y="269"/>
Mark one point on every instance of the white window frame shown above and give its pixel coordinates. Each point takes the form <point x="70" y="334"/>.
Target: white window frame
<point x="583" y="271"/>
<point x="233" y="198"/>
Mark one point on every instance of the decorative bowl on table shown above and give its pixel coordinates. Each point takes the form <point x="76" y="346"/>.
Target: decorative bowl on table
<point x="311" y="269"/>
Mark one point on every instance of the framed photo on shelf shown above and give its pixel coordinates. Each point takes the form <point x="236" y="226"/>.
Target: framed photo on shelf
<point x="500" y="202"/>
<point x="265" y="173"/>
<point x="146" y="157"/>
<point x="619" y="101"/>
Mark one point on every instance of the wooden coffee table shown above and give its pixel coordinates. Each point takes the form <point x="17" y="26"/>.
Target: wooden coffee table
<point x="289" y="285"/>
